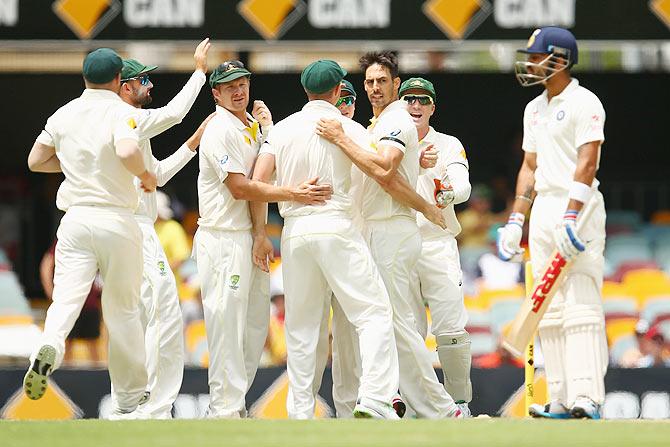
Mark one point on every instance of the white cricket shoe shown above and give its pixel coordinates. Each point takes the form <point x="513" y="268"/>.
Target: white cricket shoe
<point x="585" y="408"/>
<point x="465" y="410"/>
<point x="35" y="381"/>
<point x="372" y="409"/>
<point x="120" y="415"/>
<point x="552" y="410"/>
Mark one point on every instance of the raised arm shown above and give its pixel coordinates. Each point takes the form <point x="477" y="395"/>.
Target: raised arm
<point x="167" y="168"/>
<point x="157" y="121"/>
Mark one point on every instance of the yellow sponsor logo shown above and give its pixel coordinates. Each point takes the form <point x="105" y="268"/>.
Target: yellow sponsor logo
<point x="272" y="404"/>
<point x="457" y="18"/>
<point x="54" y="405"/>
<point x="662" y="10"/>
<point x="86" y="18"/>
<point x="131" y="122"/>
<point x="272" y="18"/>
<point x="465" y="157"/>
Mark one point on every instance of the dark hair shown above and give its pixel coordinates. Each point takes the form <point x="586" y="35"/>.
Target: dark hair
<point x="388" y="59"/>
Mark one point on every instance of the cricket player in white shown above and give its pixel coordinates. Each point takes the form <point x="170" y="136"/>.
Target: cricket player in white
<point x="93" y="141"/>
<point x="323" y="253"/>
<point x="391" y="229"/>
<point x="563" y="134"/>
<point x="161" y="314"/>
<point x="235" y="293"/>
<point x="439" y="280"/>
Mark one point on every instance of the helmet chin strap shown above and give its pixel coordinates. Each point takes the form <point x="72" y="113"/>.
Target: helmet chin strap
<point x="527" y="78"/>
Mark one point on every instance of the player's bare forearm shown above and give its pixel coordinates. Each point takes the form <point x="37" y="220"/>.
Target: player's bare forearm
<point x="585" y="172"/>
<point x="372" y="164"/>
<point x="525" y="184"/>
<point x="256" y="191"/>
<point x="398" y="188"/>
<point x="130" y="155"/>
<point x="42" y="158"/>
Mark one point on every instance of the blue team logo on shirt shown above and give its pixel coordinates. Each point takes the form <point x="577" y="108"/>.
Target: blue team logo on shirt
<point x="560" y="115"/>
<point x="223" y="160"/>
<point x="395" y="133"/>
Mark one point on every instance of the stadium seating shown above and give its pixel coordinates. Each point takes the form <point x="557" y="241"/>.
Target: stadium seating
<point x="623" y="221"/>
<point x="503" y="312"/>
<point x="619" y="348"/>
<point x="479" y="327"/>
<point x="18" y="333"/>
<point x="656" y="308"/>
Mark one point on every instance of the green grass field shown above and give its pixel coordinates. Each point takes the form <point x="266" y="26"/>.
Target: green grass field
<point x="413" y="433"/>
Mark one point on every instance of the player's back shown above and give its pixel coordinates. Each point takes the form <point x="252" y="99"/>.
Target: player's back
<point x="302" y="155"/>
<point x="83" y="132"/>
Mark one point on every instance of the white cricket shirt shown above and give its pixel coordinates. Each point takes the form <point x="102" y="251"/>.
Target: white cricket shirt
<point x="393" y="127"/>
<point x="84" y="132"/>
<point x="556" y="129"/>
<point x="227" y="146"/>
<point x="153" y="122"/>
<point x="301" y="154"/>
<point x="450" y="151"/>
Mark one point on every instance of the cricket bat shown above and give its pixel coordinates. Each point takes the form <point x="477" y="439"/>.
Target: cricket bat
<point x="535" y="304"/>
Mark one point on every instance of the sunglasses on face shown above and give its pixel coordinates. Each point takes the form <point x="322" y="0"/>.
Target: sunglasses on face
<point x="144" y="80"/>
<point x="348" y="100"/>
<point x="424" y="100"/>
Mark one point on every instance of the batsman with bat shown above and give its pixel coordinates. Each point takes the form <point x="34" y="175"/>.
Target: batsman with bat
<point x="563" y="134"/>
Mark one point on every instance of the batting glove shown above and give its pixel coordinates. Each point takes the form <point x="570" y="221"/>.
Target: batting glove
<point x="568" y="244"/>
<point x="509" y="238"/>
<point x="443" y="193"/>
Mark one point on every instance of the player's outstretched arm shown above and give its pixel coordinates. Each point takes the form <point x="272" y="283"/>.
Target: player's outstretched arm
<point x="156" y="121"/>
<point x="42" y="158"/>
<point x="374" y="165"/>
<point x="167" y="168"/>
<point x="309" y="192"/>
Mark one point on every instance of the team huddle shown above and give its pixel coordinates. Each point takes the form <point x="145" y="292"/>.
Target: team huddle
<point x="369" y="232"/>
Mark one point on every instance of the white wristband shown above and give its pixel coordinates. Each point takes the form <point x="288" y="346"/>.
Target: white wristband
<point x="580" y="192"/>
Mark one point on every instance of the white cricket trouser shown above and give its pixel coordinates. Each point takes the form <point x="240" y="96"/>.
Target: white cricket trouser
<point x="440" y="283"/>
<point x="164" y="331"/>
<point x="573" y="329"/>
<point x="396" y="246"/>
<point x="236" y="302"/>
<point x="346" y="364"/>
<point x="323" y="254"/>
<point x="109" y="240"/>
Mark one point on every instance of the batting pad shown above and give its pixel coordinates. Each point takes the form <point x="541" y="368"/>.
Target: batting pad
<point x="453" y="351"/>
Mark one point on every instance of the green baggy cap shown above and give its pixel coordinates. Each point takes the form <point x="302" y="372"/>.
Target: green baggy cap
<point x="133" y="68"/>
<point x="349" y="87"/>
<point x="321" y="76"/>
<point x="419" y="84"/>
<point x="228" y="71"/>
<point x="102" y="65"/>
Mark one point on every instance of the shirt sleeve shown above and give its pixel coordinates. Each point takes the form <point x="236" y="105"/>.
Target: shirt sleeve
<point x="528" y="144"/>
<point x="590" y="123"/>
<point x="156" y="121"/>
<point x="125" y="128"/>
<point x="455" y="154"/>
<point x="168" y="167"/>
<point x="47" y="136"/>
<point x="226" y="155"/>
<point x="398" y="136"/>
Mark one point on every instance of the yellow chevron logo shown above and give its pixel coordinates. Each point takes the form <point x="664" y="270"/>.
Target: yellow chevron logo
<point x="54" y="405"/>
<point x="272" y="18"/>
<point x="272" y="404"/>
<point x="457" y="18"/>
<point x="662" y="10"/>
<point x="86" y="18"/>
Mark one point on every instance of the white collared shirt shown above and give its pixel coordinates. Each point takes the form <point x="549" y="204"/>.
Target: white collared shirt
<point x="156" y="121"/>
<point x="393" y="127"/>
<point x="555" y="130"/>
<point x="450" y="151"/>
<point x="300" y="155"/>
<point x="227" y="146"/>
<point x="84" y="132"/>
